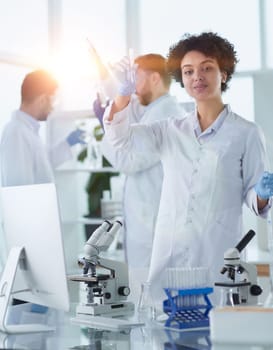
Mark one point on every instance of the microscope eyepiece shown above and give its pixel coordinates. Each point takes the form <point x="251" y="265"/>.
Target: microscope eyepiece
<point x="245" y="240"/>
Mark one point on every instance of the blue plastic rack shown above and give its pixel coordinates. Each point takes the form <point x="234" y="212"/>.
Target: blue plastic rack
<point x="185" y="317"/>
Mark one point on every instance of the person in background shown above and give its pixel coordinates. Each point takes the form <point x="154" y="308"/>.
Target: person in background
<point x="24" y="159"/>
<point x="23" y="156"/>
<point x="148" y="101"/>
<point x="213" y="161"/>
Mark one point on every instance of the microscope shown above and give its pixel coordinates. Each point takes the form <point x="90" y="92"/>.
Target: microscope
<point x="242" y="288"/>
<point x="107" y="281"/>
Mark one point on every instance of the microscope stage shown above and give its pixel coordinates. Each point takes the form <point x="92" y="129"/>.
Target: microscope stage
<point x="230" y="285"/>
<point x="88" y="278"/>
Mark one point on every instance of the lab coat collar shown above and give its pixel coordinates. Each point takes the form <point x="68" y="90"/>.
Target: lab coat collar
<point x="215" y="126"/>
<point x="27" y="119"/>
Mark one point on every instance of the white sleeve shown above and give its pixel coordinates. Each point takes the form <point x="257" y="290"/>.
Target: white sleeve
<point x="116" y="131"/>
<point x="17" y="162"/>
<point x="59" y="153"/>
<point x="253" y="167"/>
<point x="128" y="162"/>
<point x="136" y="139"/>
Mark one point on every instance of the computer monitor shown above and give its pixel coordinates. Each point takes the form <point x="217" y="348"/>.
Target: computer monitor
<point x="35" y="267"/>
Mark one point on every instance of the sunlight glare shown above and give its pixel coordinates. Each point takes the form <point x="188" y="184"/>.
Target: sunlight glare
<point x="73" y="64"/>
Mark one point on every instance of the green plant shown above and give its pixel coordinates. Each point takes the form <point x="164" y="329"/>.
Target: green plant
<point x="97" y="182"/>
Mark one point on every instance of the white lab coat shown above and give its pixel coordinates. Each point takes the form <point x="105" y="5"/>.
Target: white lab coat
<point x="206" y="181"/>
<point x="23" y="156"/>
<point x="143" y="182"/>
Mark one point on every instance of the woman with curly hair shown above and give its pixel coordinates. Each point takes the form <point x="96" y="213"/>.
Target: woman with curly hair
<point x="213" y="161"/>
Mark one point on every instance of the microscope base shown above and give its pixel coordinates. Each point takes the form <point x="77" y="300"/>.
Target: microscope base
<point x="114" y="309"/>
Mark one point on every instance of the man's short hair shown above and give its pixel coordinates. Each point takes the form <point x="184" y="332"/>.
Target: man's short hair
<point x="155" y="63"/>
<point x="37" y="83"/>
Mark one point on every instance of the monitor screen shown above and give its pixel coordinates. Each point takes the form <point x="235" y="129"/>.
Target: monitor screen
<point x="31" y="223"/>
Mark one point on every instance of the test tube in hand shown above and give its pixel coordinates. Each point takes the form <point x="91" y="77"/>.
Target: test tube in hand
<point x="102" y="69"/>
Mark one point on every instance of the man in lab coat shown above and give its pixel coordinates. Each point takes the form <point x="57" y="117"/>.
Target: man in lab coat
<point x="23" y="156"/>
<point x="144" y="174"/>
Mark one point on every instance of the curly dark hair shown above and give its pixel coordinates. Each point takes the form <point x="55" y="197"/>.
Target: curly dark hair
<point x="208" y="43"/>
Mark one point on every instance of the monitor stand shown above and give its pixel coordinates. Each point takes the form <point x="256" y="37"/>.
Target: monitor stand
<point x="6" y="285"/>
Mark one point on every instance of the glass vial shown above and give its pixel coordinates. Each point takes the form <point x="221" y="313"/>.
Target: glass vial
<point x="146" y="308"/>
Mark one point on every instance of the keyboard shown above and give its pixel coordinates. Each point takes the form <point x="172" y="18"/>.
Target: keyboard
<point x="27" y="328"/>
<point x="106" y="322"/>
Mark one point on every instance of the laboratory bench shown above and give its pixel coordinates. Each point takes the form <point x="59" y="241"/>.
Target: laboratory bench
<point x="71" y="336"/>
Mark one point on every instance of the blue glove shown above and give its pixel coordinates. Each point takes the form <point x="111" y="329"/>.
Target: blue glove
<point x="264" y="187"/>
<point x="125" y="75"/>
<point x="75" y="137"/>
<point x="99" y="109"/>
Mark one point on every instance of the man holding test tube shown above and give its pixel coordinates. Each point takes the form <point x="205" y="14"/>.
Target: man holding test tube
<point x="145" y="91"/>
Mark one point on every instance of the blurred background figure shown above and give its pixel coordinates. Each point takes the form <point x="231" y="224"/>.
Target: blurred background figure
<point x="23" y="156"/>
<point x="147" y="90"/>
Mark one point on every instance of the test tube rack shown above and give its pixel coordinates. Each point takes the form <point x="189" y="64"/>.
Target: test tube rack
<point x="183" y="312"/>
